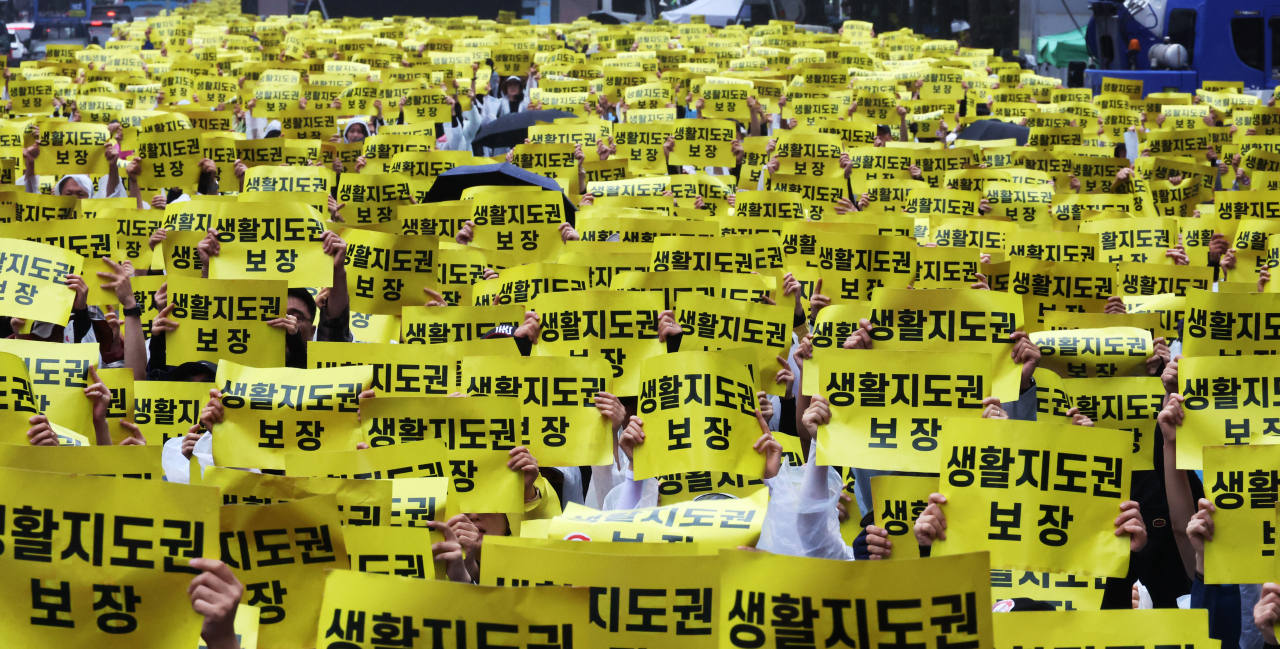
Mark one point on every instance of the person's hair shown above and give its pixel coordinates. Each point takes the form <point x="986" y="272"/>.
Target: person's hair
<point x="305" y="295"/>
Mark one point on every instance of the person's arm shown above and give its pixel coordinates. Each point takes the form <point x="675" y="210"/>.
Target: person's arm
<point x="113" y="168"/>
<point x="133" y="168"/>
<point x="215" y="594"/>
<point x="29" y="177"/>
<point x="336" y="318"/>
<point x="100" y="396"/>
<point x="135" y="342"/>
<point x="1177" y="485"/>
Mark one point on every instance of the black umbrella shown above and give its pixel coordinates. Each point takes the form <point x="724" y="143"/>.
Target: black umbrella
<point x="449" y="185"/>
<point x="992" y="129"/>
<point x="511" y="129"/>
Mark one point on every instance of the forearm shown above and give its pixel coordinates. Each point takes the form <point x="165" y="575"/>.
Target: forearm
<point x="1181" y="508"/>
<point x="136" y="192"/>
<point x="457" y="572"/>
<point x="135" y="347"/>
<point x="338" y="300"/>
<point x="222" y="641"/>
<point x="101" y="432"/>
<point x="113" y="179"/>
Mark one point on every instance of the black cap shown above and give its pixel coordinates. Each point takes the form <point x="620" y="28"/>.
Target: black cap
<point x="193" y="371"/>
<point x="1027" y="604"/>
<point x="500" y="331"/>
<point x="881" y="129"/>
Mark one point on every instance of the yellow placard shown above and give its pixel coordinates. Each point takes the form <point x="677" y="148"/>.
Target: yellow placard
<point x="217" y="317"/>
<point x="621" y="328"/>
<point x="897" y="501"/>
<point x="676" y="583"/>
<point x="361" y="502"/>
<point x="1227" y="324"/>
<point x="409" y="370"/>
<point x="1059" y="519"/>
<point x="1081" y="353"/>
<point x="704" y="143"/>
<point x="311" y="407"/>
<point x="712" y="431"/>
<point x="72" y="148"/>
<point x="840" y="592"/>
<point x="887" y="406"/>
<point x="59" y="576"/>
<point x="163" y="410"/>
<point x="33" y="278"/>
<point x="950" y="321"/>
<point x="281" y="554"/>
<point x="738" y="523"/>
<point x="562" y="426"/>
<point x="386" y="272"/>
<point x="271" y="241"/>
<point x="517" y="616"/>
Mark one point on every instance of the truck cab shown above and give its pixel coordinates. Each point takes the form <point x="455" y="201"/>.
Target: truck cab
<point x="1225" y="40"/>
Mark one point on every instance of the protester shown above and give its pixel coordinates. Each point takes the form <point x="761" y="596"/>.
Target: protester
<point x="761" y="294"/>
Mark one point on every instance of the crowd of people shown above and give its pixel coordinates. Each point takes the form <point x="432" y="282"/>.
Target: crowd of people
<point x="1166" y="517"/>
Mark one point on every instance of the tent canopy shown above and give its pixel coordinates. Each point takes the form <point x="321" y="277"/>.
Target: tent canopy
<point x="1060" y="49"/>
<point x="717" y="12"/>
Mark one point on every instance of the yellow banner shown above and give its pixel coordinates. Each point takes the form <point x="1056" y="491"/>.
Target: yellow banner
<point x="1228" y="400"/>
<point x="618" y="327"/>
<point x="684" y="585"/>
<point x="704" y="143"/>
<point x="59" y="373"/>
<point x="1139" y="629"/>
<point x="1228" y="324"/>
<point x="1240" y="481"/>
<point x="709" y="283"/>
<point x="1079" y="287"/>
<point x="170" y="158"/>
<point x="960" y="320"/>
<point x="698" y="430"/>
<point x="1143" y="240"/>
<point x="271" y="241"/>
<point x="280" y="553"/>
<point x="303" y="405"/>
<point x="437" y="326"/>
<point x="525" y="224"/>
<point x="1059" y="516"/>
<point x="939" y="602"/>
<point x="166" y="409"/>
<point x="1153" y="279"/>
<point x="386" y="272"/>
<point x="402" y="552"/>
<point x="897" y="501"/>
<point x="72" y="148"/>
<point x="409" y="370"/>
<point x="33" y="281"/>
<point x="361" y="502"/>
<point x="93" y="239"/>
<point x="73" y="580"/>
<point x="887" y="407"/>
<point x="372" y="197"/>
<point x="557" y="404"/>
<point x="1129" y="403"/>
<point x="524" y="617"/>
<point x="217" y="317"/>
<point x="1081" y="353"/>
<point x="19" y="400"/>
<point x="737" y="523"/>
